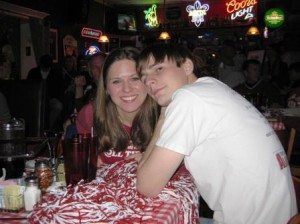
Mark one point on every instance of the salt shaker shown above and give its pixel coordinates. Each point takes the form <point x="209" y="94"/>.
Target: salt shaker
<point x="32" y="193"/>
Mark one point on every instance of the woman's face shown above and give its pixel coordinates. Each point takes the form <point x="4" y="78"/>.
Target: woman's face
<point x="125" y="88"/>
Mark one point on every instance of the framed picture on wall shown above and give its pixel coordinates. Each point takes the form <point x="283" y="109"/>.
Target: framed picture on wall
<point x="54" y="45"/>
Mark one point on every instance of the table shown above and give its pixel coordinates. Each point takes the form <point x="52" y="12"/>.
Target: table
<point x="13" y="218"/>
<point x="112" y="198"/>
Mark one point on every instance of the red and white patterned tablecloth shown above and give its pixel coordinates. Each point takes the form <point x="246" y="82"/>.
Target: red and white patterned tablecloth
<point x="112" y="198"/>
<point x="13" y="217"/>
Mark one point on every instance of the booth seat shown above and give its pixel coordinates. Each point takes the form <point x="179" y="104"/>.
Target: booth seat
<point x="27" y="99"/>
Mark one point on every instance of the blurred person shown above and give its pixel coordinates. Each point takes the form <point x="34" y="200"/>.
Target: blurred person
<point x="4" y="109"/>
<point x="125" y="115"/>
<point x="201" y="53"/>
<point x="276" y="69"/>
<point x="84" y="120"/>
<point x="293" y="95"/>
<point x="258" y="91"/>
<point x="83" y="95"/>
<point x="294" y="75"/>
<point x="294" y="98"/>
<point x="237" y="161"/>
<point x="55" y="89"/>
<point x="229" y="70"/>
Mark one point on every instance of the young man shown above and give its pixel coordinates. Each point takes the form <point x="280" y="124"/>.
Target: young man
<point x="257" y="90"/>
<point x="235" y="157"/>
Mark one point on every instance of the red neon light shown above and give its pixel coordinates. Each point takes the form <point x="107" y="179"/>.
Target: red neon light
<point x="91" y="33"/>
<point x="233" y="5"/>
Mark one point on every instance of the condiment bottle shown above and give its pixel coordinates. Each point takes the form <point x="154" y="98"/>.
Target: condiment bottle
<point x="85" y="152"/>
<point x="32" y="193"/>
<point x="44" y="174"/>
<point x="60" y="170"/>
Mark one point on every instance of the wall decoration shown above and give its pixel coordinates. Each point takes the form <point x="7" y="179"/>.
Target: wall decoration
<point x="274" y="18"/>
<point x="151" y="16"/>
<point x="70" y="46"/>
<point x="241" y="10"/>
<point x="197" y="12"/>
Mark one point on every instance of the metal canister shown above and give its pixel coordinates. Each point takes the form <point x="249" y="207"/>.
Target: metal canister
<point x="12" y="144"/>
<point x="43" y="172"/>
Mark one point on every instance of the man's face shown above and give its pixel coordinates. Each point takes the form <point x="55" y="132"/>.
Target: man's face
<point x="163" y="79"/>
<point x="252" y="73"/>
<point x="96" y="67"/>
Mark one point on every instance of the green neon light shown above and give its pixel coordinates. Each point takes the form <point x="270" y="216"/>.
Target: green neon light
<point x="151" y="16"/>
<point x="274" y="18"/>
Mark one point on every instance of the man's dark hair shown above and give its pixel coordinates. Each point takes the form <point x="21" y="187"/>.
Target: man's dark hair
<point x="249" y="62"/>
<point x="46" y="61"/>
<point x="173" y="52"/>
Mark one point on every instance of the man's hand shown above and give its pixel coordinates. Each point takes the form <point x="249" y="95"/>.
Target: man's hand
<point x="136" y="156"/>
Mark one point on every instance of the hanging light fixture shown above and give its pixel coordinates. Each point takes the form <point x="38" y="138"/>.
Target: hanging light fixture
<point x="253" y="31"/>
<point x="164" y="35"/>
<point x="103" y="38"/>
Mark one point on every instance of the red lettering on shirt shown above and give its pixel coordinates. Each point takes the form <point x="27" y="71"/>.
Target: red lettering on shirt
<point x="282" y="160"/>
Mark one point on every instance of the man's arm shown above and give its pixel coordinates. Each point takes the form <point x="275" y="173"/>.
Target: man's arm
<point x="155" y="172"/>
<point x="154" y="136"/>
<point x="157" y="164"/>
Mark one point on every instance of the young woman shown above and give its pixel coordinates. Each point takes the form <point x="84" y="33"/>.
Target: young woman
<point x="125" y="116"/>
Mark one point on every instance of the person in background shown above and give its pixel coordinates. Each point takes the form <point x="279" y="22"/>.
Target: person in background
<point x="201" y="54"/>
<point x="258" y="91"/>
<point x="293" y="95"/>
<point x="122" y="102"/>
<point x="294" y="75"/>
<point x="55" y="89"/>
<point x="276" y="69"/>
<point x="236" y="159"/>
<point x="84" y="120"/>
<point x="4" y="109"/>
<point x="229" y="70"/>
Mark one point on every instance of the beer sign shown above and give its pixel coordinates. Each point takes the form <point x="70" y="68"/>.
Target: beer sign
<point x="274" y="18"/>
<point x="91" y="33"/>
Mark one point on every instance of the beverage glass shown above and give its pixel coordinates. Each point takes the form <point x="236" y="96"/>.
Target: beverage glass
<point x="80" y="158"/>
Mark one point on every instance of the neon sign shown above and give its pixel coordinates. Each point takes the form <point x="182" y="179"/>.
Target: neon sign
<point x="241" y="9"/>
<point x="151" y="16"/>
<point x="92" y="50"/>
<point x="91" y="33"/>
<point x="197" y="12"/>
<point x="274" y="18"/>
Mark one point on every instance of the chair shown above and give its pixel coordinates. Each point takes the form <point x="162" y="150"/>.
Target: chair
<point x="295" y="219"/>
<point x="295" y="170"/>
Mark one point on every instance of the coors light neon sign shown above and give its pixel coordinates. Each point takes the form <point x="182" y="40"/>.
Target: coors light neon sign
<point x="241" y="9"/>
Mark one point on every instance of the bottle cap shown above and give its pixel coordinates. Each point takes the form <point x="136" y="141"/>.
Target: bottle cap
<point x="31" y="180"/>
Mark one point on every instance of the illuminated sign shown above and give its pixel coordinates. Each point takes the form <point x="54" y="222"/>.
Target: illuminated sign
<point x="151" y="17"/>
<point x="91" y="33"/>
<point x="197" y="12"/>
<point x="92" y="50"/>
<point x="274" y="18"/>
<point x="241" y="9"/>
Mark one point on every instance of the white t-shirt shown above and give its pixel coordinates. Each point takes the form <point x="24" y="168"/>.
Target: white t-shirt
<point x="235" y="157"/>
